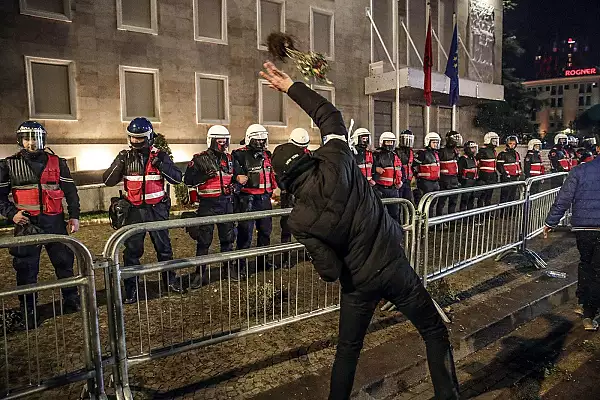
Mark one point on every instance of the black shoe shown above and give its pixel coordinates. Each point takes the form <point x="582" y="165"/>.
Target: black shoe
<point x="237" y="272"/>
<point x="176" y="285"/>
<point x="71" y="305"/>
<point x="199" y="280"/>
<point x="29" y="320"/>
<point x="130" y="295"/>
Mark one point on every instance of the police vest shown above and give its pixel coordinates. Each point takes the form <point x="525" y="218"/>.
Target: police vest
<point x="258" y="169"/>
<point x="364" y="159"/>
<point x="587" y="158"/>
<point x="392" y="167"/>
<point x="470" y="171"/>
<point x="448" y="163"/>
<point x="143" y="184"/>
<point x="487" y="163"/>
<point x="536" y="167"/>
<point x="512" y="166"/>
<point x="33" y="194"/>
<point x="429" y="168"/>
<point x="561" y="157"/>
<point x="221" y="183"/>
<point x="407" y="160"/>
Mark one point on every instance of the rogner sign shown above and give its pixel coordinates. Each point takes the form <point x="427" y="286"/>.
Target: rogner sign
<point x="582" y="71"/>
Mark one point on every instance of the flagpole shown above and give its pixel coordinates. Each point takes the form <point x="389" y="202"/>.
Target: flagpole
<point x="454" y="110"/>
<point x="428" y="107"/>
<point x="396" y="25"/>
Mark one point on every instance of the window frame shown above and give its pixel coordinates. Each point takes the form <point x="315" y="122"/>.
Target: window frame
<point x="72" y="88"/>
<point x="224" y="37"/>
<point x="311" y="29"/>
<point x="258" y="20"/>
<point x="225" y="79"/>
<point x="263" y="83"/>
<point x="66" y="17"/>
<point x="123" y="91"/>
<point x="153" y="30"/>
<point x="331" y="89"/>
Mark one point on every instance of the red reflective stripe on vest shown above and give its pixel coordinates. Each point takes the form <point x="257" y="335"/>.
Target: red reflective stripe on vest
<point x="213" y="187"/>
<point x="565" y="164"/>
<point x="150" y="189"/>
<point x="391" y="175"/>
<point x="487" y="165"/>
<point x="28" y="199"/>
<point x="367" y="167"/>
<point x="588" y="159"/>
<point x="266" y="184"/>
<point x="467" y="171"/>
<point x="408" y="171"/>
<point x="512" y="169"/>
<point x="449" y="167"/>
<point x="536" y="169"/>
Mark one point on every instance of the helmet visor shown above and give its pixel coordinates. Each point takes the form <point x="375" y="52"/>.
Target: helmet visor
<point x="407" y="140"/>
<point x="590" y="141"/>
<point x="139" y="140"/>
<point x="473" y="148"/>
<point x="458" y="139"/>
<point x="31" y="141"/>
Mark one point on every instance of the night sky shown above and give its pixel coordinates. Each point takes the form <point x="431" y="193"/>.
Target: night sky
<point x="536" y="22"/>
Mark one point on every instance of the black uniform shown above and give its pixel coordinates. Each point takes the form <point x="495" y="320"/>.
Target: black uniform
<point x="406" y="155"/>
<point x="203" y="167"/>
<point x="448" y="179"/>
<point x="25" y="168"/>
<point x="333" y="205"/>
<point x="557" y="155"/>
<point x="467" y="175"/>
<point x="130" y="162"/>
<point x="426" y="157"/>
<point x="486" y="177"/>
<point x="509" y="168"/>
<point x="533" y="157"/>
<point x="384" y="158"/>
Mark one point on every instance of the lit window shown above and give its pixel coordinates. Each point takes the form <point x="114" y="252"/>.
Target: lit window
<point x="326" y="91"/>
<point x="137" y="16"/>
<point x="270" y="17"/>
<point x="212" y="98"/>
<point x="52" y="9"/>
<point x="271" y="105"/>
<point x="51" y="88"/>
<point x="139" y="93"/>
<point x="322" y="32"/>
<point x="210" y="21"/>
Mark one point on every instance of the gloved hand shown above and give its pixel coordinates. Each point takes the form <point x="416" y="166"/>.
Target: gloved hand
<point x="157" y="162"/>
<point x="122" y="156"/>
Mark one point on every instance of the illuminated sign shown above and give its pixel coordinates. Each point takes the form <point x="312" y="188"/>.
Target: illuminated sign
<point x="583" y="71"/>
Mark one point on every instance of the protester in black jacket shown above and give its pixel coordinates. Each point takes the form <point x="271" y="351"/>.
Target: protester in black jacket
<point x="350" y="236"/>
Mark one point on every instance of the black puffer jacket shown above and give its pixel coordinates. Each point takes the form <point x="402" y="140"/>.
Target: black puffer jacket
<point x="337" y="216"/>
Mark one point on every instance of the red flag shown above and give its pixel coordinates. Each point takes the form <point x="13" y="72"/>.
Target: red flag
<point x="428" y="65"/>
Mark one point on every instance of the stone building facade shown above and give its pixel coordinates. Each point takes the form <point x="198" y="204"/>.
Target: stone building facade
<point x="84" y="68"/>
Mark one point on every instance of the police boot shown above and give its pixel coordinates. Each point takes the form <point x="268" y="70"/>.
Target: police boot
<point x="263" y="263"/>
<point x="71" y="304"/>
<point x="237" y="270"/>
<point x="130" y="294"/>
<point x="29" y="319"/>
<point x="199" y="278"/>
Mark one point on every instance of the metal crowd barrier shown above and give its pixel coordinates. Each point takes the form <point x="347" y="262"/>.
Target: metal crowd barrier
<point x="27" y="369"/>
<point x="224" y="308"/>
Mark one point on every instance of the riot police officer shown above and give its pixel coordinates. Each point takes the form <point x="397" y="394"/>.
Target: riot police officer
<point x="572" y="143"/>
<point x="508" y="165"/>
<point x="360" y="141"/>
<point x="299" y="137"/>
<point x="559" y="155"/>
<point x="589" y="143"/>
<point x="144" y="169"/>
<point x="467" y="174"/>
<point x="584" y="155"/>
<point x="388" y="172"/>
<point x="534" y="166"/>
<point x="486" y="159"/>
<point x="39" y="181"/>
<point x="211" y="174"/>
<point x="449" y="171"/>
<point x="252" y="170"/>
<point x="407" y="157"/>
<point x="427" y="167"/>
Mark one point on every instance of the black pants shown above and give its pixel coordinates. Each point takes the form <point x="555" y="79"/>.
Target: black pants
<point x="264" y="226"/>
<point x="423" y="187"/>
<point x="405" y="191"/>
<point x="467" y="200"/>
<point x="26" y="259"/>
<point x="214" y="206"/>
<point x="588" y="290"/>
<point x="485" y="196"/>
<point x="390" y="193"/>
<point x="287" y="201"/>
<point x="134" y="246"/>
<point x="447" y="183"/>
<point x="399" y="284"/>
<point x="508" y="194"/>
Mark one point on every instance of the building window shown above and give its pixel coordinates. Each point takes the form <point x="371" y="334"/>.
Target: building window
<point x="137" y="16"/>
<point x="589" y="88"/>
<point x="53" y="9"/>
<point x="582" y="88"/>
<point x="567" y="87"/>
<point x="551" y="124"/>
<point x="588" y="100"/>
<point x="139" y="93"/>
<point x="270" y="17"/>
<point x="326" y="91"/>
<point x="560" y="90"/>
<point x="559" y="102"/>
<point x="212" y="98"/>
<point x="51" y="88"/>
<point x="210" y="21"/>
<point x="575" y="86"/>
<point x="271" y="105"/>
<point x="547" y="88"/>
<point x="553" y="102"/>
<point x="322" y="32"/>
<point x="553" y="90"/>
<point x="581" y="101"/>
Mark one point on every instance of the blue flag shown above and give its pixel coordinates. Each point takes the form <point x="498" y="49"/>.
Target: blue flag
<point x="452" y="68"/>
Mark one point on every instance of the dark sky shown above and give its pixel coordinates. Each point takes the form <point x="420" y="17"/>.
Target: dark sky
<point x="536" y="22"/>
